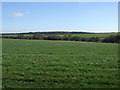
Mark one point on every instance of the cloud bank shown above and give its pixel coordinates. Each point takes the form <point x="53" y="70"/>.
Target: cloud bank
<point x="18" y="14"/>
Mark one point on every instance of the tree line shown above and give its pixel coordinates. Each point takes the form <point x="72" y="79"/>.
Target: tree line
<point x="109" y="39"/>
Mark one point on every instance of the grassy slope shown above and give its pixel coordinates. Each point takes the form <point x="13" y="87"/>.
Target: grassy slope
<point x="80" y="35"/>
<point x="54" y="64"/>
<point x="16" y="35"/>
<point x="102" y="35"/>
<point x="95" y="35"/>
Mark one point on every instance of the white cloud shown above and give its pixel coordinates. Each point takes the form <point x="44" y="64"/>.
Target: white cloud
<point x="19" y="14"/>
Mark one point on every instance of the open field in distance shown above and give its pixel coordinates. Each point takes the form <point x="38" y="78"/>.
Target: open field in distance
<point x="93" y="35"/>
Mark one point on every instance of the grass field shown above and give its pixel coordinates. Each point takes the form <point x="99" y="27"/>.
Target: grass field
<point x="59" y="64"/>
<point x="16" y="35"/>
<point x="95" y="35"/>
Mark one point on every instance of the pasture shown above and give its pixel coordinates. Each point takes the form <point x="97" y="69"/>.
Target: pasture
<point x="100" y="35"/>
<point x="59" y="64"/>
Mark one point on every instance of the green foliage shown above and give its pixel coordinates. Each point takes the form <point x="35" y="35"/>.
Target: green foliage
<point x="75" y="38"/>
<point x="37" y="36"/>
<point x="59" y="64"/>
<point x="53" y="37"/>
<point x="21" y="36"/>
<point x="112" y="39"/>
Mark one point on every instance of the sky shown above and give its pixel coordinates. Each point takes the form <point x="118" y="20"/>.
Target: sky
<point x="59" y="16"/>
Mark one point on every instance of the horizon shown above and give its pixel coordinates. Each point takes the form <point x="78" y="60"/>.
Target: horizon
<point x="96" y="17"/>
<point x="54" y="31"/>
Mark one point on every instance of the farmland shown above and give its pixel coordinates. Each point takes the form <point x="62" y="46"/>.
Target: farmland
<point x="101" y="35"/>
<point x="59" y="64"/>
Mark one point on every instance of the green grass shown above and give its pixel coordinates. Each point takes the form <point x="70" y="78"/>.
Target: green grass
<point x="59" y="64"/>
<point x="102" y="35"/>
<point x="17" y="35"/>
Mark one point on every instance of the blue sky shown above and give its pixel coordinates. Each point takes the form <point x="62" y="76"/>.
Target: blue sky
<point x="56" y="16"/>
